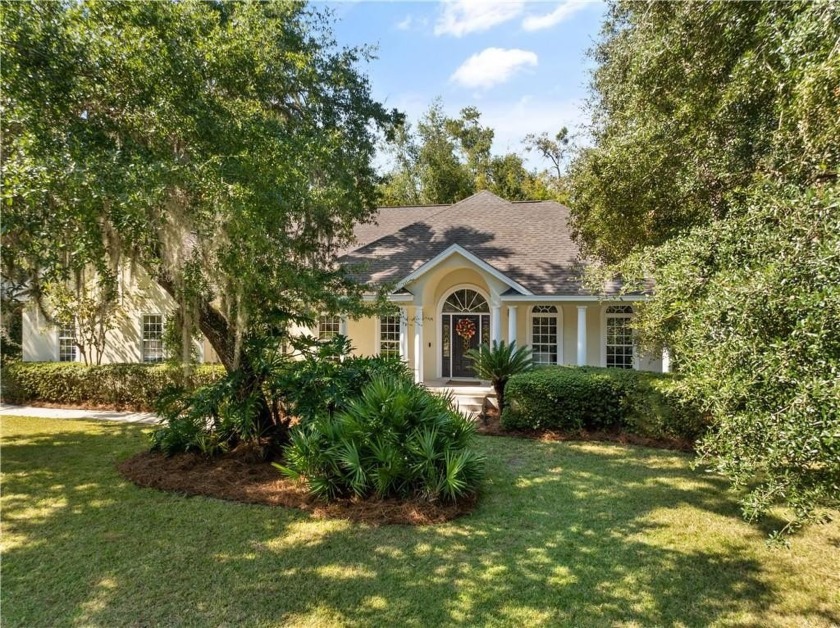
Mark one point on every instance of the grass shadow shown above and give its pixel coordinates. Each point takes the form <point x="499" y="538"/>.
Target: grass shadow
<point x="565" y="533"/>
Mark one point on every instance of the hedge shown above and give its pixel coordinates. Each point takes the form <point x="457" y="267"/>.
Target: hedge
<point x="130" y="386"/>
<point x="591" y="398"/>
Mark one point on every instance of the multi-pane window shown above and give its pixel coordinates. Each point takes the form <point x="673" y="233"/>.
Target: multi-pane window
<point x="67" y="343"/>
<point x="544" y="330"/>
<point x="619" y="337"/>
<point x="389" y="336"/>
<point x="152" y="348"/>
<point x="329" y="327"/>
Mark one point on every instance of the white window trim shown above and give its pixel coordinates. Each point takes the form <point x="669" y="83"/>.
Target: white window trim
<point x="529" y="329"/>
<point x="58" y="336"/>
<point x="318" y="326"/>
<point x="604" y="334"/>
<point x="378" y="334"/>
<point x="143" y="339"/>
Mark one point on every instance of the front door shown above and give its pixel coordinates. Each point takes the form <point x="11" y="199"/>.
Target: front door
<point x="462" y="332"/>
<point x="465" y="336"/>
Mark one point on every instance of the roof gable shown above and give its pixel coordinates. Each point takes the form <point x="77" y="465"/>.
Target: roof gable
<point x="529" y="243"/>
<point x="457" y="249"/>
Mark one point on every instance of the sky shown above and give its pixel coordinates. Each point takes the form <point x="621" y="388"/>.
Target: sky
<point x="522" y="63"/>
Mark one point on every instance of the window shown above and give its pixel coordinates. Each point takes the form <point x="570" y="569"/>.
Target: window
<point x="152" y="348"/>
<point x="389" y="336"/>
<point x="67" y="343"/>
<point x="329" y="327"/>
<point x="465" y="300"/>
<point x="544" y="334"/>
<point x="619" y="337"/>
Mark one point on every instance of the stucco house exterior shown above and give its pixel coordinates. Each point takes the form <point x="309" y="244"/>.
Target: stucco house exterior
<point x="479" y="270"/>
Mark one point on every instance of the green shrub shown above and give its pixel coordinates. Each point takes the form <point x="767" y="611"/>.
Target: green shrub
<point x="220" y="416"/>
<point x="208" y="420"/>
<point x="591" y="398"/>
<point x="395" y="440"/>
<point x="324" y="380"/>
<point x="131" y="386"/>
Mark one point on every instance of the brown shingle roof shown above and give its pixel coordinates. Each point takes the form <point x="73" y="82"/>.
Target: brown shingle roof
<point x="530" y="242"/>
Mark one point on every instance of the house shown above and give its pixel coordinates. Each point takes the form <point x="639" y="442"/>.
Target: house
<point x="479" y="270"/>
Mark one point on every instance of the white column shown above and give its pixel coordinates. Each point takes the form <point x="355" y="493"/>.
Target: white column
<point x="581" y="337"/>
<point x="495" y="323"/>
<point x="403" y="334"/>
<point x="342" y="326"/>
<point x="418" y="344"/>
<point x="666" y="361"/>
<point x="511" y="324"/>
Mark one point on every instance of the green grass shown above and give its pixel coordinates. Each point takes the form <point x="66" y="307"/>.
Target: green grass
<point x="565" y="533"/>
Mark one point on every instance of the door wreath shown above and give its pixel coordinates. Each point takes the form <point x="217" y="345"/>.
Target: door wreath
<point x="466" y="329"/>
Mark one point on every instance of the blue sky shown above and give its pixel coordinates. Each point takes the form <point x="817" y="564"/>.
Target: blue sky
<point x="522" y="63"/>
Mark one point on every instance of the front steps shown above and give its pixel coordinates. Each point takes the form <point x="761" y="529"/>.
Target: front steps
<point x="468" y="399"/>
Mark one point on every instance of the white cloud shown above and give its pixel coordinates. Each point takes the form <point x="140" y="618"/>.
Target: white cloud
<point x="563" y="11"/>
<point x="405" y="24"/>
<point x="412" y="23"/>
<point x="493" y="66"/>
<point x="460" y="17"/>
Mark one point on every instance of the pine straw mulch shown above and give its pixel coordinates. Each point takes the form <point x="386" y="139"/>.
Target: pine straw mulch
<point x="490" y="425"/>
<point x="239" y="478"/>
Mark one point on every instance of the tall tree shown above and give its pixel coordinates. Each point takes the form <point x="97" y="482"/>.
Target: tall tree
<point x="450" y="158"/>
<point x="557" y="151"/>
<point x="714" y="171"/>
<point x="225" y="148"/>
<point x="475" y="142"/>
<point x="443" y="177"/>
<point x="401" y="184"/>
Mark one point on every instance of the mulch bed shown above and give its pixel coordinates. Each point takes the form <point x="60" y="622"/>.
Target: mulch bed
<point x="239" y="478"/>
<point x="490" y="425"/>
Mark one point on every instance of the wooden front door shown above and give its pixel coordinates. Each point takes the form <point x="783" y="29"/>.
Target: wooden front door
<point x="457" y="341"/>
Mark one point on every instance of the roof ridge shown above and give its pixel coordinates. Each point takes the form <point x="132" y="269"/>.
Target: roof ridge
<point x="413" y="206"/>
<point x="485" y="192"/>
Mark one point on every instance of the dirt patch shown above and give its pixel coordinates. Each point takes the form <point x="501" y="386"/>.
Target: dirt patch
<point x="490" y="425"/>
<point x="236" y="478"/>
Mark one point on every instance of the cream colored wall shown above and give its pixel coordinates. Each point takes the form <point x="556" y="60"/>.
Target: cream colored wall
<point x="138" y="295"/>
<point x="362" y="333"/>
<point x="40" y="339"/>
<point x="141" y="296"/>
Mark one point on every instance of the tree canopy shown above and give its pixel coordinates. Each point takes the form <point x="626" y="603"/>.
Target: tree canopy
<point x="448" y="159"/>
<point x="714" y="171"/>
<point x="223" y="147"/>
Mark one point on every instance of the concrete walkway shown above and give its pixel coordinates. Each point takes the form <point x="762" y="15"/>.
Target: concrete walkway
<point x="66" y="413"/>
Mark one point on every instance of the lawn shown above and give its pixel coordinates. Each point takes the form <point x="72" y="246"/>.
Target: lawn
<point x="565" y="533"/>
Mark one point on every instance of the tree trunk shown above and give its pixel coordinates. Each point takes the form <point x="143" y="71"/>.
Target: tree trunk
<point x="215" y="327"/>
<point x="500" y="395"/>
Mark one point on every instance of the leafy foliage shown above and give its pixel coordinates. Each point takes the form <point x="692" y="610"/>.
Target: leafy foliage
<point x="222" y="148"/>
<point x="592" y="398"/>
<point x="759" y="347"/>
<point x="134" y="386"/>
<point x="448" y="159"/>
<point x="714" y="172"/>
<point x="91" y="310"/>
<point x="325" y="378"/>
<point x="498" y="363"/>
<point x="315" y="379"/>
<point x="395" y="440"/>
<point x="211" y="419"/>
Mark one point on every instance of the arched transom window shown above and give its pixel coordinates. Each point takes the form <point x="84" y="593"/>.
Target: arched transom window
<point x="545" y="331"/>
<point x="465" y="300"/>
<point x="620" y="350"/>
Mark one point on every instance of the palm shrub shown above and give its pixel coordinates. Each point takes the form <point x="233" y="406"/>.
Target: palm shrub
<point x="498" y="363"/>
<point x="395" y="440"/>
